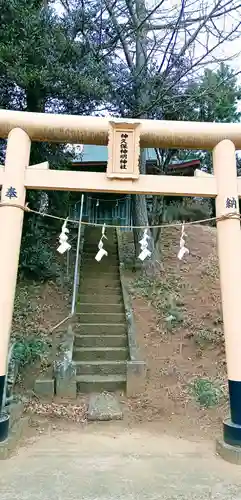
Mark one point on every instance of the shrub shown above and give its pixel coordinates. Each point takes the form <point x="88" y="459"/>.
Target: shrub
<point x="37" y="257"/>
<point x="27" y="351"/>
<point x="188" y="210"/>
<point x="207" y="392"/>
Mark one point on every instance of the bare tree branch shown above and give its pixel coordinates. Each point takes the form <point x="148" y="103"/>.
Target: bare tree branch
<point x="173" y="37"/>
<point x="65" y="4"/>
<point x="120" y="35"/>
<point x="195" y="20"/>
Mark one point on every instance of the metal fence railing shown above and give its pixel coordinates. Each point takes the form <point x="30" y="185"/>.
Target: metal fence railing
<point x="77" y="260"/>
<point x="76" y="269"/>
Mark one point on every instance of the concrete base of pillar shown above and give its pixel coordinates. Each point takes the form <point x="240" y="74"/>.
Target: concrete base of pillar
<point x="229" y="448"/>
<point x="4" y="426"/>
<point x="16" y="433"/>
<point x="17" y="426"/>
<point x="231" y="433"/>
<point x="229" y="453"/>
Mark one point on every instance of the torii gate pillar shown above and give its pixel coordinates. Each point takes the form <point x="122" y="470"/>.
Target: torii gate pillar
<point x="229" y="251"/>
<point x="11" y="221"/>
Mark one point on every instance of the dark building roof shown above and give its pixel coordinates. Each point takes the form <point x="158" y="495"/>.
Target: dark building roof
<point x="94" y="158"/>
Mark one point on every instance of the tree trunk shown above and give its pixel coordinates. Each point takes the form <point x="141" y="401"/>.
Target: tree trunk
<point x="140" y="218"/>
<point x="35" y="100"/>
<point x="139" y="206"/>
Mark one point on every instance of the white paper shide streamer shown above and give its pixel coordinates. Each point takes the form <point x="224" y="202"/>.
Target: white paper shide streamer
<point x="145" y="252"/>
<point x="63" y="239"/>
<point x="183" y="249"/>
<point x="101" y="251"/>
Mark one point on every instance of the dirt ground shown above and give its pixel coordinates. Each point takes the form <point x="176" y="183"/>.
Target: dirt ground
<point x="38" y="308"/>
<point x="174" y="358"/>
<point x="107" y="462"/>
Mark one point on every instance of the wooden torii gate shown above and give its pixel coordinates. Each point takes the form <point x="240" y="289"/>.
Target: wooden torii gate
<point x="124" y="138"/>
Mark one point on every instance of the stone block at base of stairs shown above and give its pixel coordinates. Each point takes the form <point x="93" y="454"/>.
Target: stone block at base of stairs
<point x="44" y="387"/>
<point x="104" y="407"/>
<point x="136" y="377"/>
<point x="65" y="381"/>
<point x="66" y="388"/>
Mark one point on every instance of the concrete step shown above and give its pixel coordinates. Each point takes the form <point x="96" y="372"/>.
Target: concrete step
<point x="91" y="253"/>
<point x="111" y="256"/>
<point x="98" y="267"/>
<point x="93" y="272"/>
<point x="99" y="307"/>
<point x="100" y="367"/>
<point x="92" y="237"/>
<point x="100" y="383"/>
<point x="104" y="267"/>
<point x="97" y="232"/>
<point x="95" y="229"/>
<point x="96" y="298"/>
<point x="100" y="328"/>
<point x="100" y="281"/>
<point x="101" y="292"/>
<point x="100" y="341"/>
<point x="89" y="259"/>
<point x="91" y="286"/>
<point x="92" y="249"/>
<point x="105" y="353"/>
<point x="101" y="317"/>
<point x="105" y="263"/>
<point x="88" y="288"/>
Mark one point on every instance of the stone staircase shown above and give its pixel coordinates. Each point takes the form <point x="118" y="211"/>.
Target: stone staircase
<point x="100" y="345"/>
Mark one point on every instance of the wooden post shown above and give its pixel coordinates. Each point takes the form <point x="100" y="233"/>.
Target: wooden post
<point x="229" y="249"/>
<point x="11" y="221"/>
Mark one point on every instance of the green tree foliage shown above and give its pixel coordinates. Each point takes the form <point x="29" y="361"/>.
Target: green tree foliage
<point x="213" y="97"/>
<point x="49" y="68"/>
<point x="216" y="96"/>
<point x="46" y="67"/>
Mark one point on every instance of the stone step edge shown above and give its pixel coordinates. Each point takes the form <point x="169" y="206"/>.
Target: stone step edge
<point x="104" y="314"/>
<point x="98" y="349"/>
<point x="98" y="335"/>
<point x="98" y="324"/>
<point x="100" y="378"/>
<point x="102" y="362"/>
<point x="99" y="304"/>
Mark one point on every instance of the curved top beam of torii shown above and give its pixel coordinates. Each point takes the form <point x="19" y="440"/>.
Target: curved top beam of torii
<point x="94" y="130"/>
